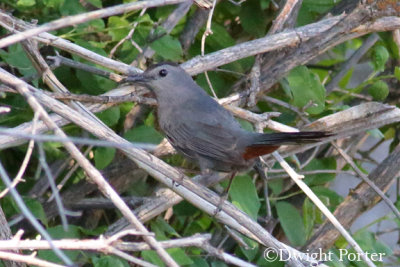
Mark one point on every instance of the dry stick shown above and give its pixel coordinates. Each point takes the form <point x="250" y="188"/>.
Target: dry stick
<point x="284" y="16"/>
<point x="367" y="44"/>
<point x="396" y="39"/>
<point x="69" y="174"/>
<point x="51" y="80"/>
<point x="27" y="259"/>
<point x="221" y="57"/>
<point x="92" y="172"/>
<point x="365" y="178"/>
<point x="60" y="60"/>
<point x="280" y="176"/>
<point x="298" y="180"/>
<point x="113" y="244"/>
<point x="81" y="18"/>
<point x="206" y="33"/>
<point x="103" y="99"/>
<point x="51" y="180"/>
<point x="76" y="140"/>
<point x="5" y="234"/>
<point x="18" y="177"/>
<point x="30" y="217"/>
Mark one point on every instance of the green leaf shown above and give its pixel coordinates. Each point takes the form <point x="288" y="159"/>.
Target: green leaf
<point x="53" y="3"/>
<point x="151" y="256"/>
<point x="306" y="87"/>
<point x="16" y="57"/>
<point x="179" y="255"/>
<point x="309" y="216"/>
<point x="397" y="73"/>
<point x="330" y="198"/>
<point x="58" y="232"/>
<point x="144" y="134"/>
<point x="109" y="261"/>
<point x="379" y="90"/>
<point x="118" y="27"/>
<point x="168" y="47"/>
<point x="243" y="194"/>
<point x="220" y="37"/>
<point x="291" y="223"/>
<point x="26" y="3"/>
<point x="71" y="7"/>
<point x="93" y="232"/>
<point x="103" y="156"/>
<point x="96" y="3"/>
<point x="320" y="164"/>
<point x="199" y="262"/>
<point x="110" y="116"/>
<point x="345" y="80"/>
<point x="380" y="56"/>
<point x="36" y="208"/>
<point x="160" y="225"/>
<point x="252" y="18"/>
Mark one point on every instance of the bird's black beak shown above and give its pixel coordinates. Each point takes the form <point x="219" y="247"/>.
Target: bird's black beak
<point x="139" y="78"/>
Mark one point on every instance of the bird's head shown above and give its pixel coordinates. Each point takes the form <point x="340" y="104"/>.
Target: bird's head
<point x="160" y="77"/>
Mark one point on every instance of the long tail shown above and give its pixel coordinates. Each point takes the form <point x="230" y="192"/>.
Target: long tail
<point x="289" y="138"/>
<point x="267" y="143"/>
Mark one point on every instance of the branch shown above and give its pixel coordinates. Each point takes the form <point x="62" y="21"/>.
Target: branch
<point x="81" y="18"/>
<point x="357" y="202"/>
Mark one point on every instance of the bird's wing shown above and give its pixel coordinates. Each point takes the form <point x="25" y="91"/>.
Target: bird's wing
<point x="202" y="138"/>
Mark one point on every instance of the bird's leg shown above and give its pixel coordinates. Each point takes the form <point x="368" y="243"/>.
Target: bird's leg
<point x="225" y="194"/>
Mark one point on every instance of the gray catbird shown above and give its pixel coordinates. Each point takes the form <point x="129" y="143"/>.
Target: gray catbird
<point x="201" y="129"/>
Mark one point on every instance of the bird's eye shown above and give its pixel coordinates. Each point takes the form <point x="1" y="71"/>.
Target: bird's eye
<point x="163" y="72"/>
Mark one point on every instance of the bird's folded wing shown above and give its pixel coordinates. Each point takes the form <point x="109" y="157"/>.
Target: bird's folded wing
<point x="204" y="139"/>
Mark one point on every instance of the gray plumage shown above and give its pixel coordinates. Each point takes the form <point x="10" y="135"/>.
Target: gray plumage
<point x="201" y="129"/>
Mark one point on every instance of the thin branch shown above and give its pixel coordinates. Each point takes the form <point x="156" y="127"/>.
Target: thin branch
<point x="18" y="177"/>
<point x="27" y="259"/>
<point x="60" y="60"/>
<point x="76" y="140"/>
<point x="30" y="217"/>
<point x="206" y="33"/>
<point x="365" y="178"/>
<point x="367" y="44"/>
<point x="298" y="180"/>
<point x="81" y="18"/>
<point x="128" y="36"/>
<point x="51" y="179"/>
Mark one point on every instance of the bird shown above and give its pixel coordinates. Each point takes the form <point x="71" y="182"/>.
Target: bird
<point x="202" y="130"/>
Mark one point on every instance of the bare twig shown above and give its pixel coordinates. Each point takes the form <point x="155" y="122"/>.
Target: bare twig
<point x="30" y="217"/>
<point x="51" y="179"/>
<point x="298" y="180"/>
<point x="360" y="199"/>
<point x="81" y="18"/>
<point x="18" y="177"/>
<point x="365" y="178"/>
<point x="27" y="259"/>
<point x="60" y="60"/>
<point x="129" y="36"/>
<point x="206" y="33"/>
<point x="367" y="44"/>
